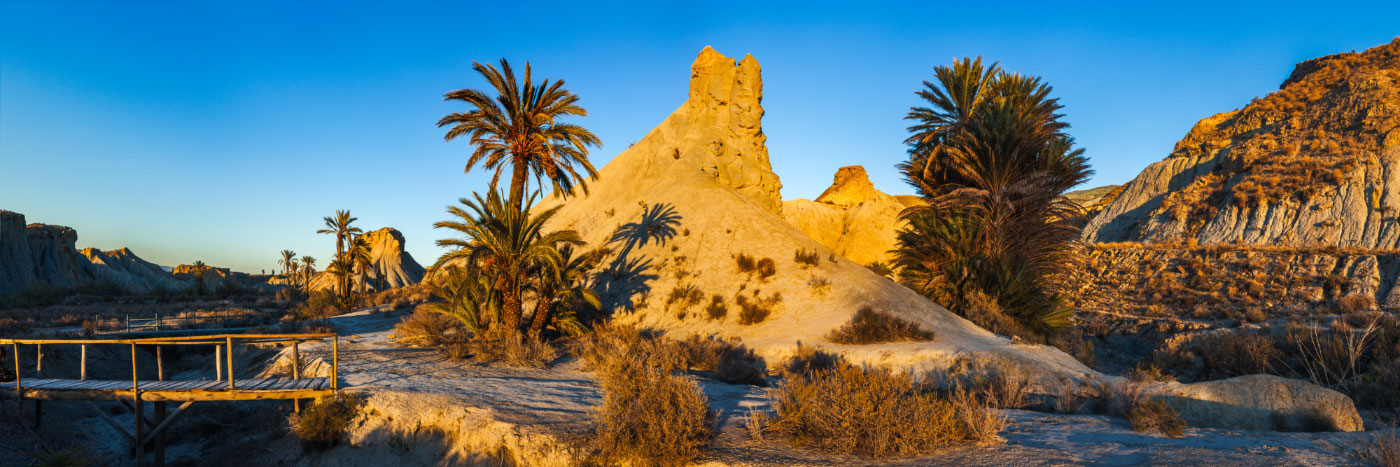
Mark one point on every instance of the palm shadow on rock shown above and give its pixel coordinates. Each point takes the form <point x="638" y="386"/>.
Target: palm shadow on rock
<point x="627" y="275"/>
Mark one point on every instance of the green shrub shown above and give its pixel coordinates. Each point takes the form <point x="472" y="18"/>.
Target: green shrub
<point x="324" y="423"/>
<point x="872" y="327"/>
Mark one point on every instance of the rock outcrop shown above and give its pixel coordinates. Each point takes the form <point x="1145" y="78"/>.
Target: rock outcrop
<point x="391" y="266"/>
<point x="851" y="217"/>
<point x="1315" y="163"/>
<point x="43" y="254"/>
<point x="695" y="244"/>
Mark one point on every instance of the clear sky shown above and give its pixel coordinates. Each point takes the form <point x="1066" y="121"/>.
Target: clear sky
<point x="225" y="131"/>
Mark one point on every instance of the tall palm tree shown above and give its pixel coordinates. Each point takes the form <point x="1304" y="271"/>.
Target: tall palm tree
<point x="288" y="262"/>
<point x="521" y="127"/>
<point x="991" y="157"/>
<point x="339" y="225"/>
<point x="505" y="243"/>
<point x="562" y="291"/>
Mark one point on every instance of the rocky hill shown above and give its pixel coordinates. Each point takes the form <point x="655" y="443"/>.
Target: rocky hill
<point x="392" y="266"/>
<point x="851" y="217"/>
<point x="1314" y="163"/>
<point x="130" y="272"/>
<point x="695" y="244"/>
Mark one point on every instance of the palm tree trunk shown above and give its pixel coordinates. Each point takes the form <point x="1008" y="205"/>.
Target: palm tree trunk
<point x="541" y="314"/>
<point x="510" y="312"/>
<point x="517" y="183"/>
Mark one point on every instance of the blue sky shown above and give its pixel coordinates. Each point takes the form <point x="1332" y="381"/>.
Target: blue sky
<point x="225" y="131"/>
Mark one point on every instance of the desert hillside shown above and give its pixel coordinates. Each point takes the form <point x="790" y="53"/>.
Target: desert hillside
<point x="851" y="217"/>
<point x="46" y="255"/>
<point x="1313" y="163"/>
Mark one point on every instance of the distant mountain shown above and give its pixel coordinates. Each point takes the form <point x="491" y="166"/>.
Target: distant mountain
<point x="1315" y="163"/>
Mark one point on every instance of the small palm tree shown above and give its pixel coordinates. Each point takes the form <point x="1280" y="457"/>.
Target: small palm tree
<point x="469" y="298"/>
<point x="308" y="271"/>
<point x="339" y="225"/>
<point x="342" y="268"/>
<point x="562" y="292"/>
<point x="505" y="244"/>
<point x="521" y="127"/>
<point x="198" y="272"/>
<point x="288" y="262"/>
<point x="360" y="254"/>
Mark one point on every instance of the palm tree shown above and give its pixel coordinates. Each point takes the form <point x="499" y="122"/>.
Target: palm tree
<point x="562" y="292"/>
<point x="308" y="270"/>
<point x="467" y="297"/>
<point x="339" y="225"/>
<point x="288" y="262"/>
<point x="360" y="255"/>
<point x="342" y="268"/>
<point x="504" y="243"/>
<point x="992" y="159"/>
<point x="197" y="271"/>
<point x="520" y="127"/>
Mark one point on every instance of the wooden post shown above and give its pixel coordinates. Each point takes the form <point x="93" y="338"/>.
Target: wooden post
<point x="160" y="366"/>
<point x="160" y="435"/>
<point x="135" y="385"/>
<point x="229" y="343"/>
<point x="39" y="361"/>
<point x="83" y="366"/>
<point x="335" y="361"/>
<point x="139" y="448"/>
<point x="218" y="363"/>
<point x="19" y="387"/>
<point x="296" y="373"/>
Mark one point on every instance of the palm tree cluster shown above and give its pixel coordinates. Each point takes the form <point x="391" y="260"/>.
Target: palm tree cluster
<point x="298" y="272"/>
<point x="991" y="157"/>
<point x="502" y="256"/>
<point x="350" y="265"/>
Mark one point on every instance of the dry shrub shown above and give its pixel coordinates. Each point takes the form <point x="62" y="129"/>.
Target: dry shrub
<point x="650" y="416"/>
<point x="766" y="268"/>
<point x="323" y="424"/>
<point x="686" y="295"/>
<point x="807" y="258"/>
<point x="1383" y="449"/>
<point x="994" y="381"/>
<point x="517" y="351"/>
<point x="984" y="311"/>
<point x="730" y="360"/>
<point x="1355" y="302"/>
<point x="1148" y="373"/>
<point x="1151" y="415"/>
<point x="1230" y="354"/>
<point x="745" y="263"/>
<point x="426" y="328"/>
<point x="319" y="305"/>
<point x="807" y="361"/>
<point x="717" y="309"/>
<point x="873" y="412"/>
<point x="872" y="327"/>
<point x="754" y="311"/>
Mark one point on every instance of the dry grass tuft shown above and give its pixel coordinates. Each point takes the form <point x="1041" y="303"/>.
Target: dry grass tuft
<point x="425" y="328"/>
<point x="518" y="351"/>
<point x="755" y="310"/>
<point x="323" y="424"/>
<point x="1383" y="449"/>
<point x="807" y="258"/>
<point x="1151" y="415"/>
<point x="872" y="327"/>
<point x="717" y="309"/>
<point x="873" y="412"/>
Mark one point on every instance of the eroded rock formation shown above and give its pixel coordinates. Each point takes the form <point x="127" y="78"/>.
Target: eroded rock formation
<point x="391" y="266"/>
<point x="43" y="254"/>
<point x="851" y="217"/>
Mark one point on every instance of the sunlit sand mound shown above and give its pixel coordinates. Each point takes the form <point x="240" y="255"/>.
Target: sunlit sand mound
<point x="697" y="245"/>
<point x="851" y="217"/>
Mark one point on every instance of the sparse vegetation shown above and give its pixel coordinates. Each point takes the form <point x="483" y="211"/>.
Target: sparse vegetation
<point x="872" y="412"/>
<point x="872" y="327"/>
<point x="807" y="258"/>
<point x="1151" y="415"/>
<point x="717" y="309"/>
<point x="323" y="424"/>
<point x="755" y="310"/>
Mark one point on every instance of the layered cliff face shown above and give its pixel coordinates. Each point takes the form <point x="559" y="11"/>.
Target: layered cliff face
<point x="46" y="254"/>
<point x="392" y="266"/>
<point x="1314" y="163"/>
<point x="851" y="217"/>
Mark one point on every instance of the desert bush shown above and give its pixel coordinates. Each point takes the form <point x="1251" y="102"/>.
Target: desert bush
<point x="716" y="309"/>
<point x="319" y="305"/>
<point x="872" y="327"/>
<point x="1147" y="372"/>
<point x="1383" y="449"/>
<point x="1151" y="415"/>
<point x="873" y="412"/>
<point x="517" y="351"/>
<point x="730" y="360"/>
<point x="686" y="295"/>
<point x="1355" y="302"/>
<point x="996" y="382"/>
<point x="323" y="424"/>
<point x="807" y="361"/>
<point x="1229" y="354"/>
<point x="820" y="285"/>
<point x="807" y="258"/>
<point x="649" y="415"/>
<point x="754" y="311"/>
<point x="745" y="263"/>
<point x="425" y="328"/>
<point x="765" y="268"/>
<point x="984" y="311"/>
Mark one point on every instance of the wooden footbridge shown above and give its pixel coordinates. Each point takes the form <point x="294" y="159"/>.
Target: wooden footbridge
<point x="135" y="393"/>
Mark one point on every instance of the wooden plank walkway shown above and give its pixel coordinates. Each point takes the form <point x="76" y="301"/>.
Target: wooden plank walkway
<point x="190" y="390"/>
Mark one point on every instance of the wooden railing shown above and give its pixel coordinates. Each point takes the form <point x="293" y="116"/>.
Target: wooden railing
<point x="165" y="323"/>
<point x="222" y="343"/>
